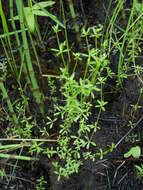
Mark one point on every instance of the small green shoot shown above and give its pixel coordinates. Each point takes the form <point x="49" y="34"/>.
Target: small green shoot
<point x="41" y="183"/>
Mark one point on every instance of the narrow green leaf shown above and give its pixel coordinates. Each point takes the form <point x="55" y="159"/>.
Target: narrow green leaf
<point x="40" y="13"/>
<point x="29" y="17"/>
<point x="140" y="169"/>
<point x="42" y="5"/>
<point x="46" y="13"/>
<point x="35" y="87"/>
<point x="4" y="23"/>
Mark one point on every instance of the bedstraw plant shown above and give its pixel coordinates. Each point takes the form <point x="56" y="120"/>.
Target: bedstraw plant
<point x="80" y="81"/>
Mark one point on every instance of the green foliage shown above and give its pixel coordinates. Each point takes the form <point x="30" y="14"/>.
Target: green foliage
<point x="82" y="74"/>
<point x="36" y="147"/>
<point x="36" y="91"/>
<point x="75" y="133"/>
<point x="41" y="183"/>
<point x="135" y="152"/>
<point x="38" y="9"/>
<point x="139" y="171"/>
<point x="138" y="6"/>
<point x="30" y="19"/>
<point x="7" y="148"/>
<point x="2" y="174"/>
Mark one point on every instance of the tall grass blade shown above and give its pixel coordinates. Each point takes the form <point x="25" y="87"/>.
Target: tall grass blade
<point x="73" y="15"/>
<point x="8" y="41"/>
<point x="36" y="92"/>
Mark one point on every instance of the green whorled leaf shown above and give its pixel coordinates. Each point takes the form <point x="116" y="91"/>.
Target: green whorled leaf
<point x="46" y="13"/>
<point x="134" y="151"/>
<point x="42" y="5"/>
<point x="29" y="17"/>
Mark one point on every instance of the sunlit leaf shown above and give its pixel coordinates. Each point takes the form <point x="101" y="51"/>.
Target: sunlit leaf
<point x="46" y="13"/>
<point x="134" y="151"/>
<point x="42" y="5"/>
<point x="128" y="154"/>
<point x="29" y="17"/>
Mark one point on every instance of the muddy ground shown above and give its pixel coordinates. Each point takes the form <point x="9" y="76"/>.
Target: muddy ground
<point x="113" y="172"/>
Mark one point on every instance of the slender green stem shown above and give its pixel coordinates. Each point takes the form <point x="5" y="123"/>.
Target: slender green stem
<point x="121" y="58"/>
<point x="36" y="92"/>
<point x="10" y="107"/>
<point x="8" y="42"/>
<point x="17" y="157"/>
<point x="66" y="34"/>
<point x="73" y="15"/>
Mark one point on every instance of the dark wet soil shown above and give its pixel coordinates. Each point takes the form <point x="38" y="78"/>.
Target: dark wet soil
<point x="113" y="172"/>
